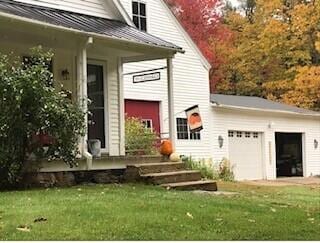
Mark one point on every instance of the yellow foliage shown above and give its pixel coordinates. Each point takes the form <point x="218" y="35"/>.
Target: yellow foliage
<point x="276" y="53"/>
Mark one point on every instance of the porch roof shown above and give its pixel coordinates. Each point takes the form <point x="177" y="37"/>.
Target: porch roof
<point x="108" y="28"/>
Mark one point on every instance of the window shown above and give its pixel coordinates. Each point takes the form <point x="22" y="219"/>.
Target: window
<point x="182" y="129"/>
<point x="139" y="15"/>
<point x="183" y="132"/>
<point x="239" y="134"/>
<point x="248" y="134"/>
<point x="255" y="135"/>
<point x="230" y="134"/>
<point x="147" y="123"/>
<point x="195" y="136"/>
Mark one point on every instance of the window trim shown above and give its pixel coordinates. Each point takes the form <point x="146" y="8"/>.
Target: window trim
<point x="139" y="15"/>
<point x="147" y="120"/>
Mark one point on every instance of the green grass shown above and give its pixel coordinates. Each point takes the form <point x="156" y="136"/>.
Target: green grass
<point x="137" y="212"/>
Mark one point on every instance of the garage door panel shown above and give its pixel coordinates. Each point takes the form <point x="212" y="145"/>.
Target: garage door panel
<point x="245" y="153"/>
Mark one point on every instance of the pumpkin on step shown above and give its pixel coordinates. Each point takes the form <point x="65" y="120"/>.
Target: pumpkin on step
<point x="166" y="148"/>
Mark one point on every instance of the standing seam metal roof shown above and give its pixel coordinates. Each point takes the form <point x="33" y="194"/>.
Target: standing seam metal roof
<point x="257" y="103"/>
<point x="86" y="23"/>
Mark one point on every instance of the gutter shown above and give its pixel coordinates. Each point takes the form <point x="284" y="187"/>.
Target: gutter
<point x="217" y="105"/>
<point x="87" y="34"/>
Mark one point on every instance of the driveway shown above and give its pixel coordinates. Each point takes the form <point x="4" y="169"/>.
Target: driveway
<point x="287" y="181"/>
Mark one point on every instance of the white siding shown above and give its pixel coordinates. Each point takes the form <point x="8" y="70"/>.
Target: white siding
<point x="113" y="108"/>
<point x="191" y="79"/>
<point x="224" y="120"/>
<point x="100" y="8"/>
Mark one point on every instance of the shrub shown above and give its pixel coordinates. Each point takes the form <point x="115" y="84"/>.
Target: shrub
<point x="226" y="170"/>
<point x="31" y="108"/>
<point x="138" y="139"/>
<point x="219" y="171"/>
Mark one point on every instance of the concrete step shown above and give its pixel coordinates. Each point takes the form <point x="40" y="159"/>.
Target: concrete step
<point x="192" y="185"/>
<point x="172" y="177"/>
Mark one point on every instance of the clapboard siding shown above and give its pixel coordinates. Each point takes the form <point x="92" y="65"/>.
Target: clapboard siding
<point x="100" y="8"/>
<point x="224" y="120"/>
<point x="191" y="82"/>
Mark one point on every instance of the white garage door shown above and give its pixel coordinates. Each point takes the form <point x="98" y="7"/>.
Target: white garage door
<point x="245" y="154"/>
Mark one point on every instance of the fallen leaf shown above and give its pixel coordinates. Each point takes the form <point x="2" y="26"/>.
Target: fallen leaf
<point x="219" y="219"/>
<point x="79" y="189"/>
<point x="311" y="219"/>
<point x="41" y="219"/>
<point x="189" y="215"/>
<point x="273" y="210"/>
<point x="251" y="220"/>
<point x="102" y="192"/>
<point x="168" y="188"/>
<point x="23" y="228"/>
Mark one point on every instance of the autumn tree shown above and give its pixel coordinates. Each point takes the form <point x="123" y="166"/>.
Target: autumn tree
<point x="274" y="51"/>
<point x="202" y="20"/>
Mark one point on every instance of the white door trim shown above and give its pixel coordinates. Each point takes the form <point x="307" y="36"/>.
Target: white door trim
<point x="106" y="97"/>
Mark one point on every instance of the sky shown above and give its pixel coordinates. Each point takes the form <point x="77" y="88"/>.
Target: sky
<point x="235" y="2"/>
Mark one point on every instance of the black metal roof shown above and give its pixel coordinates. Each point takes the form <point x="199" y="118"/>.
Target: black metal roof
<point x="257" y="103"/>
<point x="85" y="23"/>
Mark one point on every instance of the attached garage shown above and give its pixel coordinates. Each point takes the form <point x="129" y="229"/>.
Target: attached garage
<point x="265" y="139"/>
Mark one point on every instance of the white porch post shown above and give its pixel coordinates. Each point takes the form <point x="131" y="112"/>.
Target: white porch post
<point x="172" y="133"/>
<point x="121" y="108"/>
<point x="82" y="90"/>
<point x="83" y="96"/>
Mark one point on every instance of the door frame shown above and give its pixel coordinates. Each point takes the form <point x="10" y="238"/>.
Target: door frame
<point x="105" y="97"/>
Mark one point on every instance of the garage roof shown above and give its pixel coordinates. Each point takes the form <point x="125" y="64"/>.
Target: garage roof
<point x="256" y="103"/>
<point x="85" y="23"/>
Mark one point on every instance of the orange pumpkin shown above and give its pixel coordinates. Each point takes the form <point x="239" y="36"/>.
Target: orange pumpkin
<point x="166" y="147"/>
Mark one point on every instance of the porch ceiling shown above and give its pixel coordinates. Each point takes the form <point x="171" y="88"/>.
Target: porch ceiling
<point x="85" y="24"/>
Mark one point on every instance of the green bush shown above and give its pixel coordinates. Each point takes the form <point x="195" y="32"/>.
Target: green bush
<point x="30" y="108"/>
<point x="220" y="171"/>
<point x="138" y="139"/>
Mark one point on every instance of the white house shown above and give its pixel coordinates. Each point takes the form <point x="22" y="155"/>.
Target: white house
<point x="190" y="74"/>
<point x="256" y="139"/>
<point x="91" y="40"/>
<point x="106" y="49"/>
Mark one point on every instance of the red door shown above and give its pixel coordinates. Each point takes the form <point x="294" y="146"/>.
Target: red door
<point x="147" y="111"/>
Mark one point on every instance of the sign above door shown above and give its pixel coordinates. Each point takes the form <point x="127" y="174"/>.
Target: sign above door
<point x="148" y="77"/>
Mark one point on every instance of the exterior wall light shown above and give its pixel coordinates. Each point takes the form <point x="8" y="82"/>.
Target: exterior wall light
<point x="220" y="140"/>
<point x="316" y="143"/>
<point x="65" y="74"/>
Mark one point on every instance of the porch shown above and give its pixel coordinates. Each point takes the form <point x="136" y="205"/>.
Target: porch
<point x="89" y="53"/>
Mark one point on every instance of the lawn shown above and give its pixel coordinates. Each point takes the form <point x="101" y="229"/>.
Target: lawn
<point x="137" y="212"/>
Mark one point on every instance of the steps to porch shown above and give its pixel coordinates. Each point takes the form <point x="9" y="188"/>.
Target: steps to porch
<point x="170" y="175"/>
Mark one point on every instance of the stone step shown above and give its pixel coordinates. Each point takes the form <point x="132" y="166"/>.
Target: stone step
<point x="159" y="167"/>
<point x="133" y="172"/>
<point x="172" y="177"/>
<point x="192" y="185"/>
